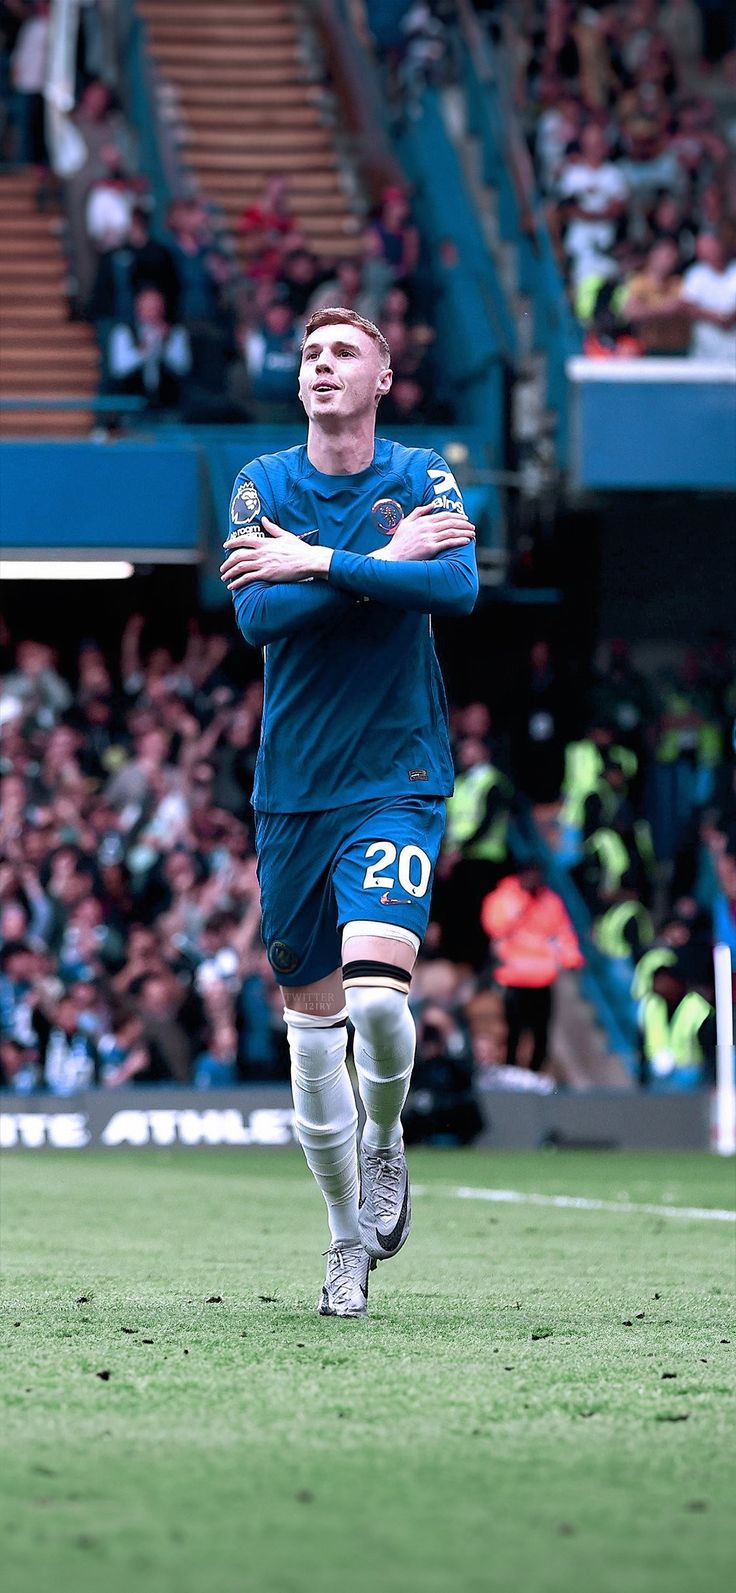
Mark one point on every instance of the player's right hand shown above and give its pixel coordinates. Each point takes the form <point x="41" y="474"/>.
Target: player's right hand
<point x="427" y="531"/>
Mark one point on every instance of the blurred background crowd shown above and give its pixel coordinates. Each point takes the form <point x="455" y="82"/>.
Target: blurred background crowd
<point x="629" y="111"/>
<point x="596" y="822"/>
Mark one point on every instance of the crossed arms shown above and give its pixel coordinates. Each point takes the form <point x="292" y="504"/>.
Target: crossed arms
<point x="281" y="585"/>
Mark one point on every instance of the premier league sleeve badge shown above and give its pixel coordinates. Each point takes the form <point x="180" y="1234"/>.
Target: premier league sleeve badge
<point x="246" y="505"/>
<point x="245" y="511"/>
<point x="387" y="515"/>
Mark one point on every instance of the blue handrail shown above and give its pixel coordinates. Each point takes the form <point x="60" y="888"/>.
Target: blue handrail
<point x="616" y="1012"/>
<point x="507" y="167"/>
<point x="128" y="405"/>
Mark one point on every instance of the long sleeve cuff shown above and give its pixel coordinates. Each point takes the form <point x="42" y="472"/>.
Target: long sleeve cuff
<point x="446" y="585"/>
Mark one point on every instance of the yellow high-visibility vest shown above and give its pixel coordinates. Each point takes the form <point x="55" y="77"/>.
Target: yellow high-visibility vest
<point x="610" y="850"/>
<point x="583" y="769"/>
<point x="584" y="766"/>
<point x="465" y="811"/>
<point x="648" y="965"/>
<point x="671" y="1043"/>
<point x="609" y="930"/>
<point x="706" y="739"/>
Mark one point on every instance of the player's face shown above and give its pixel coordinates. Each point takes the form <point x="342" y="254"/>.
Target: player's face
<point x="342" y="374"/>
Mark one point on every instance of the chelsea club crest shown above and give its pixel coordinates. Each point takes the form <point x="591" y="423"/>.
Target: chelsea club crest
<point x="386" y="515"/>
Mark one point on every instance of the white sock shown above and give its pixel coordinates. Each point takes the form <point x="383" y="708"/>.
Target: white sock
<point x="326" y="1115"/>
<point x="385" y="1041"/>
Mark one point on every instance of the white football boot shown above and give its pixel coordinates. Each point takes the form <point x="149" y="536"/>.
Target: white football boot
<point x="345" y="1289"/>
<point x="384" y="1212"/>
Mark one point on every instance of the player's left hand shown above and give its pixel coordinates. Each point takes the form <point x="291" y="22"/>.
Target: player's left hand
<point x="427" y="531"/>
<point x="279" y="557"/>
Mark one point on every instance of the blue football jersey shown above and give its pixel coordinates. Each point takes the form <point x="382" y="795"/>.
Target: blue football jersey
<point x="354" y="703"/>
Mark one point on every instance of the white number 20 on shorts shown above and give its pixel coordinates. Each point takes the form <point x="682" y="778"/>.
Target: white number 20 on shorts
<point x="407" y="856"/>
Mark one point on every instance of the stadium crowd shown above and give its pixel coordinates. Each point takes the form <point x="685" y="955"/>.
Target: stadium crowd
<point x="201" y="333"/>
<point x="129" y="915"/>
<point x="631" y="113"/>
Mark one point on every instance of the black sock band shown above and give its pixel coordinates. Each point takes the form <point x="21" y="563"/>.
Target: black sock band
<point x="368" y="971"/>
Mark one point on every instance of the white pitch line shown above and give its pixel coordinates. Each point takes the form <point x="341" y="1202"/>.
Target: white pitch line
<point x="518" y="1197"/>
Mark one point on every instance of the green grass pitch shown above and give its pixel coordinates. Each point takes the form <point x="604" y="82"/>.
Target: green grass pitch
<point x="539" y="1402"/>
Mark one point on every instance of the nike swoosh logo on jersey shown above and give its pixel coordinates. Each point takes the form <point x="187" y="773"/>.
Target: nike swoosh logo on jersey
<point x="395" y="901"/>
<point x="390" y="1241"/>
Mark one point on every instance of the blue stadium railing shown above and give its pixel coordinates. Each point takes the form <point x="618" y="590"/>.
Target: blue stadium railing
<point x="475" y="331"/>
<point x="160" y="492"/>
<point x="614" y="1006"/>
<point x="507" y="167"/>
<point x="160" y="158"/>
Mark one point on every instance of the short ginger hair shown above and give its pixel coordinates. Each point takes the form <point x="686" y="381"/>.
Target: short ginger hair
<point x="337" y="316"/>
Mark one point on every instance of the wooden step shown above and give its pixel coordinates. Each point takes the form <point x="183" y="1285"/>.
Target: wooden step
<point x="60" y="341"/>
<point x="254" y="56"/>
<point x="232" y="7"/>
<point x="237" y="73"/>
<point x="52" y="317"/>
<point x="279" y="122"/>
<point x="32" y="227"/>
<point x="55" y="333"/>
<point x="22" y="209"/>
<point x="201" y="30"/>
<point x="272" y="138"/>
<point x="25" y="425"/>
<point x="275" y="83"/>
<point x="18" y="359"/>
<point x="51" y="353"/>
<point x="25" y="299"/>
<point x="53" y="386"/>
<point x="15" y="242"/>
<point x="221" y="11"/>
<point x="251" y="184"/>
<point x="282" y="117"/>
<point x="67" y="341"/>
<point x="269" y="95"/>
<point x="41" y="351"/>
<point x="14" y="270"/>
<point x="177" y="19"/>
<point x="265" y="161"/>
<point x="53" y="307"/>
<point x="46" y="426"/>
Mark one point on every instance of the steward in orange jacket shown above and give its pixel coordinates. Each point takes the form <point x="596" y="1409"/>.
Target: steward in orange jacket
<point x="533" y="940"/>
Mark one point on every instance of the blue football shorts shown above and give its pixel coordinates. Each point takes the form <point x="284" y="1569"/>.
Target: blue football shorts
<point x="370" y="861"/>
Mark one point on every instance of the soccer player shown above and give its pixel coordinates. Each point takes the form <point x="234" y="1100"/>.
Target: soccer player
<point x="338" y="554"/>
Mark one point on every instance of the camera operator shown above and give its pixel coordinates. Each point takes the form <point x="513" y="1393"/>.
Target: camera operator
<point x="441" y="1109"/>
